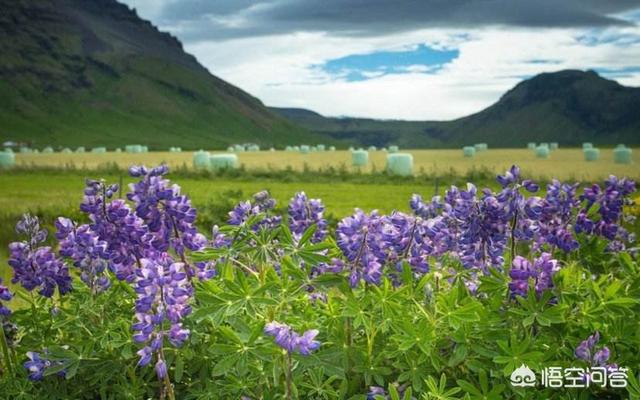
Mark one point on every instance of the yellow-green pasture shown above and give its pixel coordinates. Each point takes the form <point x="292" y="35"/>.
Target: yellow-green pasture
<point x="565" y="164"/>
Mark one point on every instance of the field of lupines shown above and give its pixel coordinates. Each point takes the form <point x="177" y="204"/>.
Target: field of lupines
<point x="443" y="303"/>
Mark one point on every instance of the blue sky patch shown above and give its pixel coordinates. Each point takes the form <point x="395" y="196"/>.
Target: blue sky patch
<point x="359" y="67"/>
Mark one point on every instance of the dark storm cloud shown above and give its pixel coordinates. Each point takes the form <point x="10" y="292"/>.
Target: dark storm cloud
<point x="225" y="19"/>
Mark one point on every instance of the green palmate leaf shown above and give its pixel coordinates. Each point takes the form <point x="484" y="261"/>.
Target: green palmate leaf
<point x="306" y="236"/>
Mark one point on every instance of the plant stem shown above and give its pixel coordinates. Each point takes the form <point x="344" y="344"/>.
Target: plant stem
<point x="289" y="376"/>
<point x="5" y="350"/>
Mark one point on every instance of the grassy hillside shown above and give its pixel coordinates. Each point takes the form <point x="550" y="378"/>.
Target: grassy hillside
<point x="75" y="72"/>
<point x="569" y="107"/>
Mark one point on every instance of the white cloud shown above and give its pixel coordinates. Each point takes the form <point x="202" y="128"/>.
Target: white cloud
<point x="280" y="69"/>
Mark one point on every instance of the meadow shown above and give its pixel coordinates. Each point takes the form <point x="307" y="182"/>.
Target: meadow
<point x="566" y="164"/>
<point x="454" y="298"/>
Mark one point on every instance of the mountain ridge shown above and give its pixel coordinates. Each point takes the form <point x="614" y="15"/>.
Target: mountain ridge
<point x="92" y="73"/>
<point x="567" y="106"/>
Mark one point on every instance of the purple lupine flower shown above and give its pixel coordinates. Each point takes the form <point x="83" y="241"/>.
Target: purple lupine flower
<point x="37" y="267"/>
<point x="169" y="215"/>
<point x="556" y="216"/>
<point x="586" y="351"/>
<point x="88" y="252"/>
<point x="37" y="365"/>
<point x="610" y="201"/>
<point x="163" y="295"/>
<point x="541" y="271"/>
<point x="116" y="224"/>
<point x="305" y="212"/>
<point x="290" y="340"/>
<point x="425" y="210"/>
<point x="263" y="203"/>
<point x="375" y="391"/>
<point x="5" y="295"/>
<point x="360" y="239"/>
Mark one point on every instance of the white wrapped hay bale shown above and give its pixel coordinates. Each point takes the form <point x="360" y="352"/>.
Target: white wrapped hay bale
<point x="25" y="150"/>
<point x="393" y="149"/>
<point x="304" y="149"/>
<point x="99" y="150"/>
<point x="481" y="146"/>
<point x="223" y="161"/>
<point x="239" y="148"/>
<point x="272" y="149"/>
<point x="372" y="148"/>
<point x="321" y="147"/>
<point x="554" y="146"/>
<point x="253" y="147"/>
<point x="296" y="148"/>
<point x="400" y="164"/>
<point x="66" y="150"/>
<point x="145" y="149"/>
<point x="47" y="150"/>
<point x="587" y="145"/>
<point x="591" y="154"/>
<point x="469" y="151"/>
<point x="332" y="148"/>
<point x="531" y="145"/>
<point x="7" y="159"/>
<point x="80" y="149"/>
<point x="288" y="148"/>
<point x="542" y="152"/>
<point x="359" y="158"/>
<point x="351" y="148"/>
<point x="622" y="155"/>
<point x="133" y="148"/>
<point x="118" y="150"/>
<point x="201" y="159"/>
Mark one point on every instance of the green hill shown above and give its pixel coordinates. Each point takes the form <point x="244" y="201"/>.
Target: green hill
<point x="569" y="107"/>
<point x="79" y="72"/>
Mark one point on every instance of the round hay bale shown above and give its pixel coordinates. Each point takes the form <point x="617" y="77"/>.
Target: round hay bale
<point x="304" y="149"/>
<point x="296" y="148"/>
<point x="481" y="146"/>
<point x="272" y="149"/>
<point x="469" y="151"/>
<point x="400" y="164"/>
<point x="553" y="146"/>
<point x="351" y="148"/>
<point x="542" y="152"/>
<point x="66" y="150"/>
<point x="359" y="158"/>
<point x="25" y="150"/>
<point x="620" y="146"/>
<point x="47" y="150"/>
<point x="8" y="150"/>
<point x="622" y="155"/>
<point x="332" y="148"/>
<point x="288" y="148"/>
<point x="587" y="145"/>
<point x="145" y="149"/>
<point x="393" y="149"/>
<point x="118" y="150"/>
<point x="99" y="150"/>
<point x="239" y="148"/>
<point x="7" y="160"/>
<point x="201" y="159"/>
<point x="80" y="149"/>
<point x="544" y="144"/>
<point x="321" y="147"/>
<point x="591" y="154"/>
<point x="133" y="148"/>
<point x="372" y="148"/>
<point x="531" y="145"/>
<point x="253" y="147"/>
<point x="223" y="161"/>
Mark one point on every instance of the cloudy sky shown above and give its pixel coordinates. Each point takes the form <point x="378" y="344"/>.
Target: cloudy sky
<point x="399" y="59"/>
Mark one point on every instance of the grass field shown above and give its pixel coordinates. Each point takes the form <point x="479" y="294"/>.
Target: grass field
<point x="567" y="164"/>
<point x="50" y="195"/>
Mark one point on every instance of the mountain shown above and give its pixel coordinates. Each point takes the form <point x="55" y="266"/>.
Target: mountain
<point x="91" y="72"/>
<point x="569" y="107"/>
